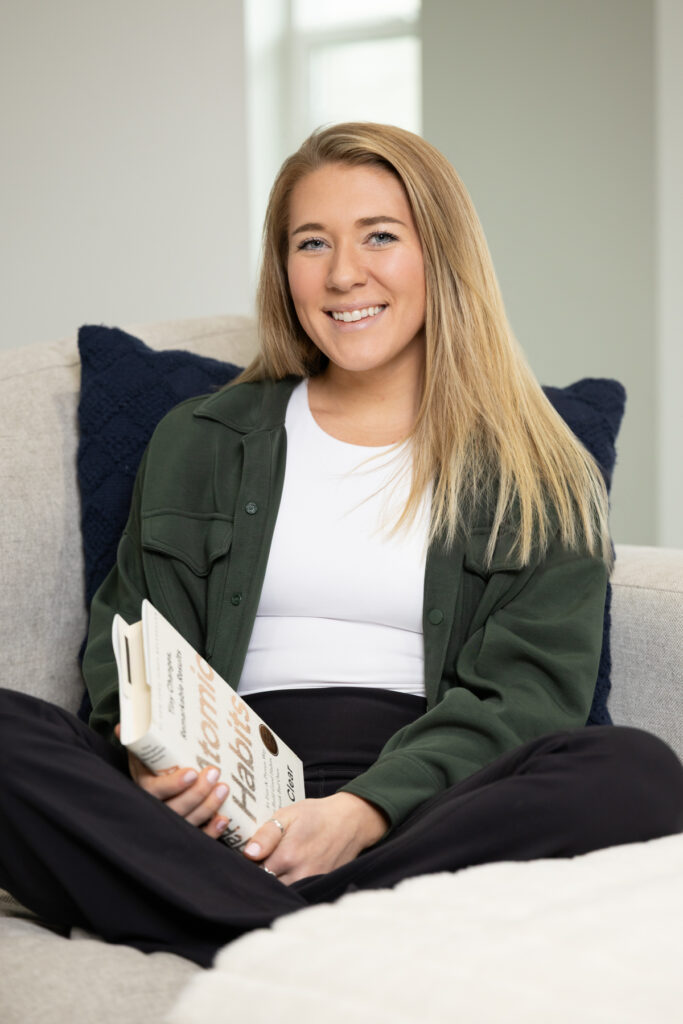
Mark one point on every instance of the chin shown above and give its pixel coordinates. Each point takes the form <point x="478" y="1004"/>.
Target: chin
<point x="357" y="365"/>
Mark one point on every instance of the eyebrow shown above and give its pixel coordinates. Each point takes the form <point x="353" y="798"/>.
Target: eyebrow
<point x="364" y="222"/>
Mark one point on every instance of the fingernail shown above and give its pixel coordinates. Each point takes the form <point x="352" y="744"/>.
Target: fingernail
<point x="190" y="776"/>
<point x="252" y="849"/>
<point x="220" y="792"/>
<point x="221" y="825"/>
<point x="212" y="774"/>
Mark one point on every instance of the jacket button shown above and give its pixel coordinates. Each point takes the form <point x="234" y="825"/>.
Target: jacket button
<point x="251" y="508"/>
<point x="435" y="616"/>
<point x="236" y="599"/>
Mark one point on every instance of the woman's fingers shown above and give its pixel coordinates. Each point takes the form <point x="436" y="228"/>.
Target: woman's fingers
<point x="319" y="835"/>
<point x="202" y="800"/>
<point x="195" y="796"/>
<point x="216" y="826"/>
<point x="265" y="840"/>
<point x="163" y="787"/>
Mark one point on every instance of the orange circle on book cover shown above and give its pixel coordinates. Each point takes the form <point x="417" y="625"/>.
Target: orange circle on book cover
<point x="269" y="741"/>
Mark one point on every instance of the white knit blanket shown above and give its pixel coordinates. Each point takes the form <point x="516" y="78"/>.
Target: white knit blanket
<point x="597" y="938"/>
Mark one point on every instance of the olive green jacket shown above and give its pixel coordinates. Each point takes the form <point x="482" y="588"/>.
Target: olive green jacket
<point x="509" y="653"/>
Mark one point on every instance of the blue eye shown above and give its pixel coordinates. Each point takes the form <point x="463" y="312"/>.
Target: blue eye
<point x="383" y="237"/>
<point x="311" y="244"/>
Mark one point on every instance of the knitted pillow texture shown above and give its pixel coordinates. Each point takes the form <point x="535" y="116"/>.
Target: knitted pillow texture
<point x="126" y="388"/>
<point x="594" y="409"/>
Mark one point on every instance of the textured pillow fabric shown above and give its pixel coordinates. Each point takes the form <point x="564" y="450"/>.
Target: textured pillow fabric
<point x="126" y="388"/>
<point x="594" y="408"/>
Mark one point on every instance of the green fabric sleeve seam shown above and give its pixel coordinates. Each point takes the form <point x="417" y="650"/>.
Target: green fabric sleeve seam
<point x="385" y="805"/>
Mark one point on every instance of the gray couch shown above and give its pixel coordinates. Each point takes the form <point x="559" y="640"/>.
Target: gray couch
<point x="43" y="618"/>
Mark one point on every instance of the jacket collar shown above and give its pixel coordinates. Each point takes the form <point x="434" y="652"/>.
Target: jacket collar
<point x="259" y="405"/>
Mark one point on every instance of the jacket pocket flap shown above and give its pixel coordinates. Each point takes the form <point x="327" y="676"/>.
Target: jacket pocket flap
<point x="503" y="560"/>
<point x="197" y="540"/>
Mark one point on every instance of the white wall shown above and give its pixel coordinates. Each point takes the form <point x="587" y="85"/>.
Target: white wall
<point x="123" y="172"/>
<point x="547" y="111"/>
<point x="669" y="51"/>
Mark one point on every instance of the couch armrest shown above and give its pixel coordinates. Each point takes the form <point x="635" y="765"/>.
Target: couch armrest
<point x="647" y="641"/>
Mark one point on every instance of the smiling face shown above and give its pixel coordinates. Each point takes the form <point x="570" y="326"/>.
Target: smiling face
<point x="355" y="269"/>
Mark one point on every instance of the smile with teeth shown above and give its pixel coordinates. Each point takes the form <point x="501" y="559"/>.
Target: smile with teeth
<point x="356" y="314"/>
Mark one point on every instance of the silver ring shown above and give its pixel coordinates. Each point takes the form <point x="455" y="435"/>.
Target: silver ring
<point x="269" y="872"/>
<point x="278" y="823"/>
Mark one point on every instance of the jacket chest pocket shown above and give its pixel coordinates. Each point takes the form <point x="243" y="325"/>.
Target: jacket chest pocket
<point x="488" y="583"/>
<point x="186" y="561"/>
<point x="502" y="560"/>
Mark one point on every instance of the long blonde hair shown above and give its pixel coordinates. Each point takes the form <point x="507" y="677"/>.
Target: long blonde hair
<point x="485" y="434"/>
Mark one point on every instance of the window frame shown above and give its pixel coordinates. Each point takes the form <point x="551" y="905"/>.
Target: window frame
<point x="301" y="43"/>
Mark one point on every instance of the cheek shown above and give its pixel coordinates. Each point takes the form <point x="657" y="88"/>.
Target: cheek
<point x="420" y="284"/>
<point x="302" y="285"/>
<point x="411" y="281"/>
<point x="303" y="292"/>
<point x="293" y="282"/>
<point x="404" y="272"/>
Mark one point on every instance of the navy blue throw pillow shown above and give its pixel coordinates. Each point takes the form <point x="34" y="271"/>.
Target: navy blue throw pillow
<point x="594" y="409"/>
<point x="127" y="387"/>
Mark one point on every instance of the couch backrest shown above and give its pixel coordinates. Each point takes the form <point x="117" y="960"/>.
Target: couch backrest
<point x="647" y="641"/>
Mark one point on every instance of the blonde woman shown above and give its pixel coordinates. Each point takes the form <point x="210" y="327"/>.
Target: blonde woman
<point x="411" y="593"/>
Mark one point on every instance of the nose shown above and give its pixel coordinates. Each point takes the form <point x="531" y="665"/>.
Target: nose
<point x="346" y="268"/>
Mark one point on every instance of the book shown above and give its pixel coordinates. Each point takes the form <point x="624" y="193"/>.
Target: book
<point x="176" y="711"/>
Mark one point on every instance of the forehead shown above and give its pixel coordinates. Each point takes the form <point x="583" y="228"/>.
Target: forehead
<point x="341" y="191"/>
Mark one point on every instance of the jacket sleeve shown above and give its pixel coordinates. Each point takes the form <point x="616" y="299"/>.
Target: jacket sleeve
<point x="121" y="592"/>
<point x="528" y="669"/>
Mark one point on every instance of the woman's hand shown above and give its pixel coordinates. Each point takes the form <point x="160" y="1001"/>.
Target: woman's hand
<point x="319" y="835"/>
<point x="195" y="796"/>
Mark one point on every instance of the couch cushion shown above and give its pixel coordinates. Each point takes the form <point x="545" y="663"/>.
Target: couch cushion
<point x="647" y="649"/>
<point x="127" y="387"/>
<point x="78" y="980"/>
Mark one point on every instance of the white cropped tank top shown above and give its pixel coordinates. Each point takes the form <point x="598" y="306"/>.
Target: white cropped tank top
<point x="341" y="603"/>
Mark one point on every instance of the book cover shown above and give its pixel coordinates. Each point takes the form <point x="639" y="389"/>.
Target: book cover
<point x="176" y="711"/>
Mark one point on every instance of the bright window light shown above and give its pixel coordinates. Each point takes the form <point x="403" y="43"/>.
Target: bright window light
<point x="375" y="80"/>
<point x="325" y="14"/>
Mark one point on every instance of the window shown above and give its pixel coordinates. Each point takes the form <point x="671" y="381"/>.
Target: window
<point x="356" y="61"/>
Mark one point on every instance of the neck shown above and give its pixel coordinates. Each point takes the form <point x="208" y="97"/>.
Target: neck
<point x="365" y="408"/>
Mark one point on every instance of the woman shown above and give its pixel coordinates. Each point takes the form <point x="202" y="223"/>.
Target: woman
<point x="387" y="540"/>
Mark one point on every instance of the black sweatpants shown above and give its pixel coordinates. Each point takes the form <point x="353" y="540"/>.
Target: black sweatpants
<point x="81" y="844"/>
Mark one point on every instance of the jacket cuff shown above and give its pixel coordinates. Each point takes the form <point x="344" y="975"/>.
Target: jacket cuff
<point x="398" y="784"/>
